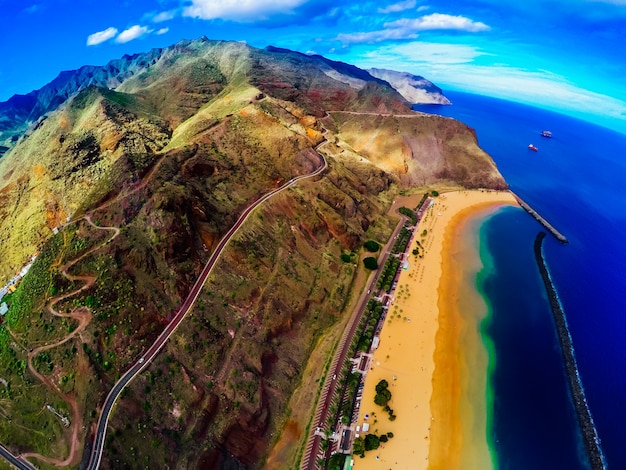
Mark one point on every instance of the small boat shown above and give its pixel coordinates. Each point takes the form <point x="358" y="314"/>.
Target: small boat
<point x="546" y="134"/>
<point x="532" y="147"/>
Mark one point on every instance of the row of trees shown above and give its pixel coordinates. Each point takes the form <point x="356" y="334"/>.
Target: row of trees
<point x="389" y="273"/>
<point x="408" y="213"/>
<point x="367" y="326"/>
<point x="402" y="241"/>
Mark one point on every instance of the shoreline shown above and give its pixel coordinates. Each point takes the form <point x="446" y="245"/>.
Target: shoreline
<point x="416" y="338"/>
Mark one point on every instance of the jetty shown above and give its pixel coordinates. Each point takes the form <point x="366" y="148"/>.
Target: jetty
<point x="587" y="427"/>
<point x="547" y="225"/>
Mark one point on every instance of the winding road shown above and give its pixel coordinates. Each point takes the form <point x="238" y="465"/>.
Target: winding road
<point x="157" y="346"/>
<point x="83" y="315"/>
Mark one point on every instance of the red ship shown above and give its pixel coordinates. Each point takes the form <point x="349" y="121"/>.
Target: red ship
<point x="533" y="148"/>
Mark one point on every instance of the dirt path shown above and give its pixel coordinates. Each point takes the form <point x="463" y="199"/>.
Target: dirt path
<point x="83" y="316"/>
<point x="372" y="113"/>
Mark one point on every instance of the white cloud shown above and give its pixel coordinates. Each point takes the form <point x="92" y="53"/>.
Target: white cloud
<point x="419" y="52"/>
<point x="396" y="7"/>
<point x="101" y="36"/>
<point x="407" y="28"/>
<point x="131" y="33"/>
<point x="423" y="8"/>
<point x="376" y="36"/>
<point x="453" y="65"/>
<point x="164" y="16"/>
<point x="162" y="31"/>
<point x="240" y="10"/>
<point x="439" y="21"/>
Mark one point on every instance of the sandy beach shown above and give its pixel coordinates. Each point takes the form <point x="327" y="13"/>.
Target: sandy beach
<point x="433" y="347"/>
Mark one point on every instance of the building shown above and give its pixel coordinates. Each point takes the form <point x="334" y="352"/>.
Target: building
<point x="3" y="308"/>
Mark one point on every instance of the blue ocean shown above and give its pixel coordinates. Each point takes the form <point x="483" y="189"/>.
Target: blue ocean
<point x="576" y="181"/>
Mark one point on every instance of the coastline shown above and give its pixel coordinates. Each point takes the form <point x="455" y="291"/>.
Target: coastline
<point x="430" y="349"/>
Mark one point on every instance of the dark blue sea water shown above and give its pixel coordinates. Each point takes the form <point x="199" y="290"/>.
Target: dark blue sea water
<point x="576" y="180"/>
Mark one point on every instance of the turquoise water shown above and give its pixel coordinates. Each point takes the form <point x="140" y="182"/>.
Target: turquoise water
<point x="576" y="181"/>
<point x="533" y="421"/>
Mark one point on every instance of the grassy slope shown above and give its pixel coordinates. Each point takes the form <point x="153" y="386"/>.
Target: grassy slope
<point x="75" y="148"/>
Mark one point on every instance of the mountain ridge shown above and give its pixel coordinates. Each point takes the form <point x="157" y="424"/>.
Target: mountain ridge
<point x="24" y="110"/>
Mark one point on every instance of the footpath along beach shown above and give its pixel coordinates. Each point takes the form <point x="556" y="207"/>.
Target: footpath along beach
<point x="431" y="351"/>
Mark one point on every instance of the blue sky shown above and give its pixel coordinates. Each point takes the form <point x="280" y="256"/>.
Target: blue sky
<point x="567" y="55"/>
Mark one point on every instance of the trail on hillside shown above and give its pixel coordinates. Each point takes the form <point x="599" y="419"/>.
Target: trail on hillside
<point x="83" y="316"/>
<point x="417" y="114"/>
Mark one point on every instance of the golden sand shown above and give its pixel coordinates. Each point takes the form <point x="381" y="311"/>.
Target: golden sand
<point x="434" y="349"/>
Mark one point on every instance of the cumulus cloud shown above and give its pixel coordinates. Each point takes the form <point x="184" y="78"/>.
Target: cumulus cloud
<point x="396" y="7"/>
<point x="439" y="21"/>
<point x="132" y="33"/>
<point x="101" y="36"/>
<point x="162" y="31"/>
<point x="240" y="10"/>
<point x="407" y="28"/>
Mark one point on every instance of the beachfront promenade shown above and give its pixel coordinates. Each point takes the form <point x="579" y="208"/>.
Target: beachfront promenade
<point x="338" y="409"/>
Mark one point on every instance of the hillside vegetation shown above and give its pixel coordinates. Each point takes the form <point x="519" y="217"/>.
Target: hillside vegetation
<point x="151" y="175"/>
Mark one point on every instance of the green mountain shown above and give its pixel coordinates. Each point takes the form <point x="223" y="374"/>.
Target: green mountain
<point x="152" y="158"/>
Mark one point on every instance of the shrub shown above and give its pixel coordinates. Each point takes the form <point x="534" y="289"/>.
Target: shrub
<point x="371" y="442"/>
<point x="358" y="447"/>
<point x="382" y="397"/>
<point x="370" y="263"/>
<point x="371" y="246"/>
<point x="345" y="257"/>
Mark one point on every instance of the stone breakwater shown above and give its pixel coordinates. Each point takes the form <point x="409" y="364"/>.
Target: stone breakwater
<point x="558" y="235"/>
<point x="590" y="436"/>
